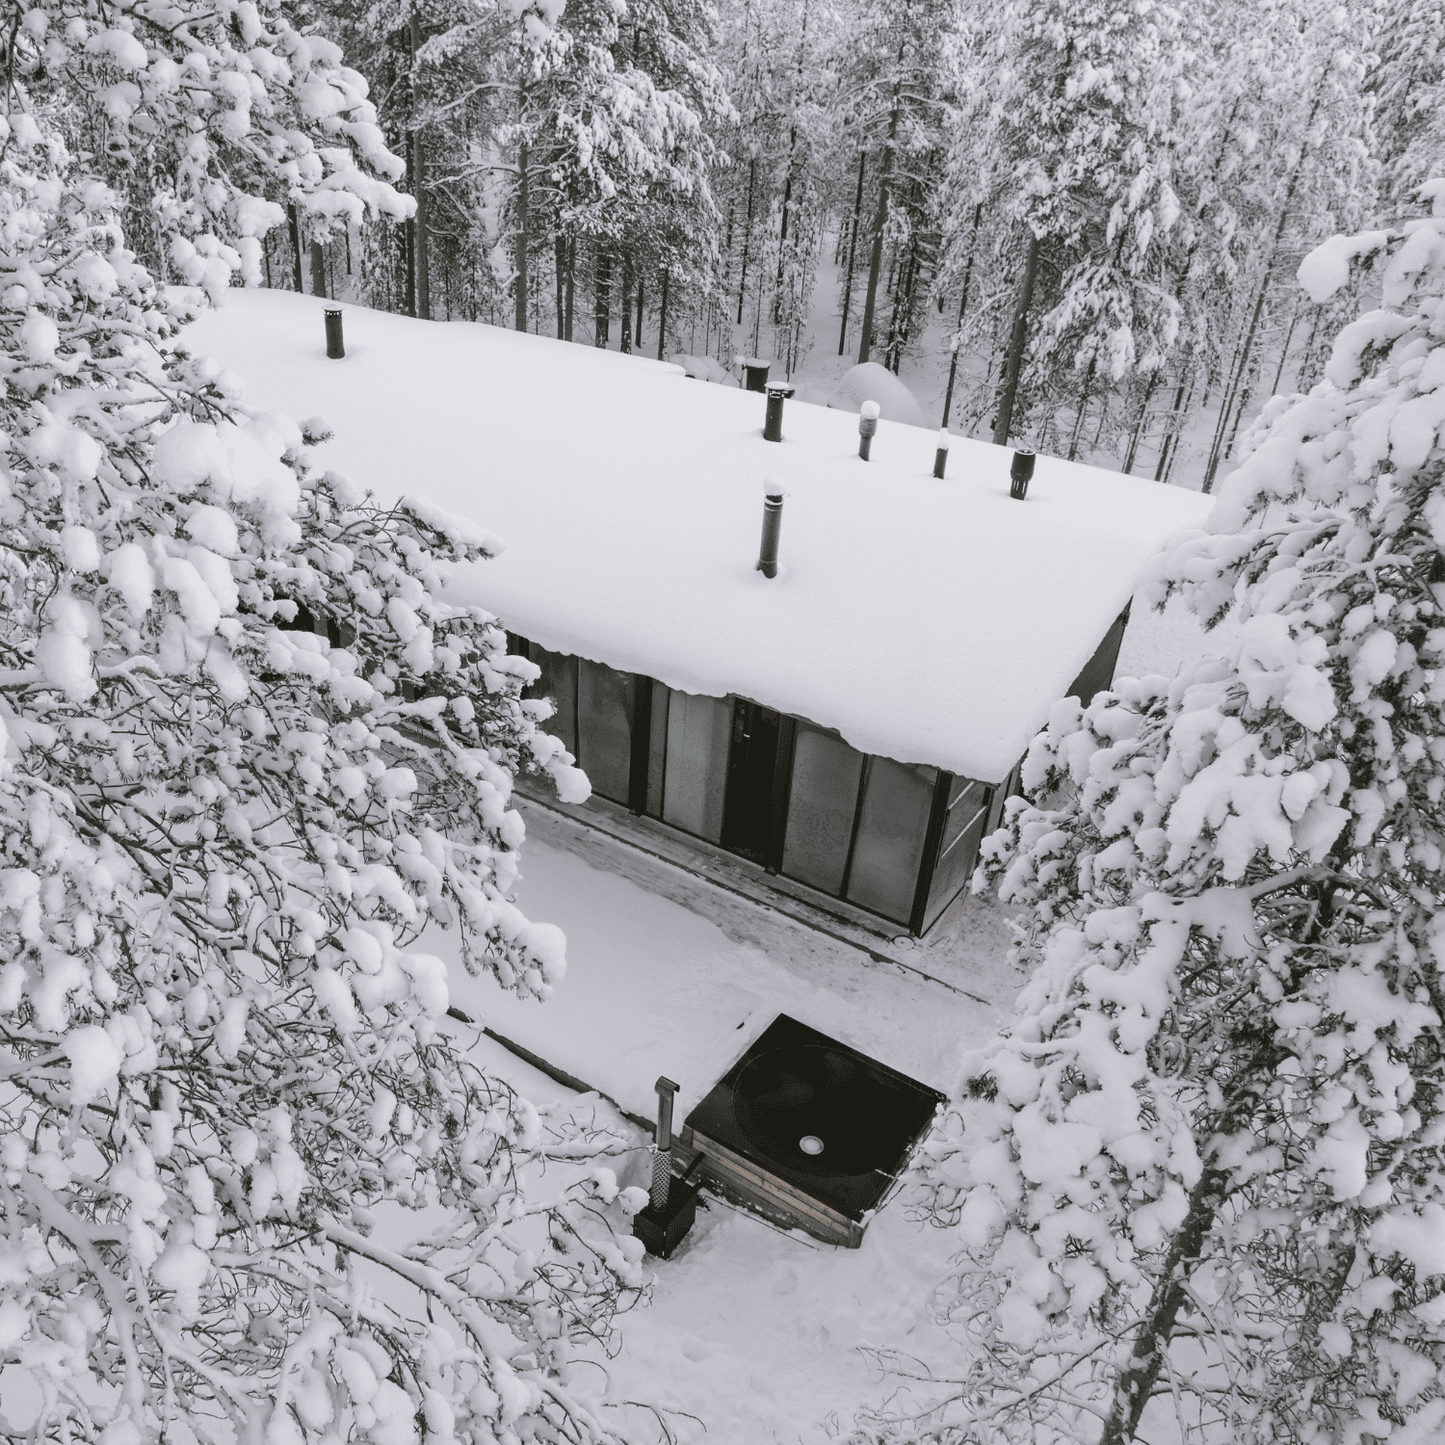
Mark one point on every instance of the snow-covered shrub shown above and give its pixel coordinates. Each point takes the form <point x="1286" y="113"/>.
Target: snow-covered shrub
<point x="224" y="1087"/>
<point x="1203" y="1177"/>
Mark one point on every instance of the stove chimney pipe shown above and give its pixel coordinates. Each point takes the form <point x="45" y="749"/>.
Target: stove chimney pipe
<point x="940" y="457"/>
<point x="772" y="528"/>
<point x="335" y="348"/>
<point x="1020" y="473"/>
<point x="867" y="427"/>
<point x="662" y="1145"/>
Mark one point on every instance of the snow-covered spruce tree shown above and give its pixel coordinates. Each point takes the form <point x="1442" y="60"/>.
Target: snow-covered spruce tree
<point x="1204" y="1175"/>
<point x="206" y="120"/>
<point x="1068" y="143"/>
<point x="226" y="1096"/>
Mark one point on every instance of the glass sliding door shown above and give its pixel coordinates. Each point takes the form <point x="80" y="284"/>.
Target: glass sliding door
<point x="821" y="807"/>
<point x="752" y="768"/>
<point x="888" y="849"/>
<point x="968" y="810"/>
<point x="558" y="682"/>
<point x="604" y="727"/>
<point x="695" y="775"/>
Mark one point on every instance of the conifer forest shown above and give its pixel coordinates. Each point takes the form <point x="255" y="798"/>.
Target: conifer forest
<point x="1070" y="222"/>
<point x="362" y="866"/>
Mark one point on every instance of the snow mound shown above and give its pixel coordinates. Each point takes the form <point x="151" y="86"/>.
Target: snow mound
<point x="704" y="368"/>
<point x="871" y="382"/>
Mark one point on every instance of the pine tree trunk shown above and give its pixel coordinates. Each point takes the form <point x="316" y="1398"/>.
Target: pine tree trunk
<point x="318" y="269"/>
<point x="1083" y="406"/>
<point x="1254" y="1068"/>
<point x="602" y="298"/>
<point x="1170" y="454"/>
<point x="1284" y="353"/>
<point x="1242" y="368"/>
<point x="523" y="237"/>
<point x="1171" y="433"/>
<point x="1013" y="364"/>
<point x="852" y="249"/>
<point x="625" y="310"/>
<point x="747" y="235"/>
<point x="783" y="232"/>
<point x="662" y="320"/>
<point x="295" y="226"/>
<point x="880" y="220"/>
<point x="407" y="241"/>
<point x="962" y="309"/>
<point x="1139" y="424"/>
<point x="637" y="338"/>
<point x="571" y="286"/>
<point x="559" y="267"/>
<point x="1237" y="373"/>
<point x="1136" y="1382"/>
<point x="423" y="238"/>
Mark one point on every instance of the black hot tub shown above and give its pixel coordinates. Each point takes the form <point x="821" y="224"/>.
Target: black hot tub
<point x="809" y="1131"/>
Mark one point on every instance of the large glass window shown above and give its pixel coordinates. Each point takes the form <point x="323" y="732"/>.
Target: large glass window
<point x="958" y="848"/>
<point x="821" y="805"/>
<point x="657" y="750"/>
<point x="558" y="682"/>
<point x="892" y="822"/>
<point x="698" y="730"/>
<point x="604" y="727"/>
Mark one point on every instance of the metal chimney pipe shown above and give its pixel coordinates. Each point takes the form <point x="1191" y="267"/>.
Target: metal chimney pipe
<point x="335" y="347"/>
<point x="867" y="427"/>
<point x="1020" y="472"/>
<point x="662" y="1145"/>
<point x="940" y="457"/>
<point x="772" y="529"/>
<point x="773" y="425"/>
<point x="757" y="373"/>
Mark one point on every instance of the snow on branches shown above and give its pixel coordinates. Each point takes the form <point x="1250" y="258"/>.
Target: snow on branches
<point x="246" y="755"/>
<point x="209" y="114"/>
<point x="1204" y="1175"/>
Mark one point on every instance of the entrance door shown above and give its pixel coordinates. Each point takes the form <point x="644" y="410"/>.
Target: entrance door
<point x="752" y="760"/>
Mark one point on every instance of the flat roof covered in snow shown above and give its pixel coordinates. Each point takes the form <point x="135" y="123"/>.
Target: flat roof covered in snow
<point x="929" y="621"/>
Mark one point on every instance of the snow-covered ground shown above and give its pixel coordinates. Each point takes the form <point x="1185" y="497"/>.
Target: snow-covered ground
<point x="753" y="1333"/>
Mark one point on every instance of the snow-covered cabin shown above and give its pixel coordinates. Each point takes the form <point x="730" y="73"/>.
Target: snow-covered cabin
<point x="850" y="727"/>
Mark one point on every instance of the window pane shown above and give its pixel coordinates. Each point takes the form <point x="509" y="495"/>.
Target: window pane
<point x="604" y="725"/>
<point x="958" y="852"/>
<point x="657" y="750"/>
<point x="821" y="805"/>
<point x="891" y="825"/>
<point x="698" y="729"/>
<point x="559" y="682"/>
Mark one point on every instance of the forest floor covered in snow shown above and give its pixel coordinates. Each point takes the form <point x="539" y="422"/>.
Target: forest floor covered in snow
<point x="751" y="1336"/>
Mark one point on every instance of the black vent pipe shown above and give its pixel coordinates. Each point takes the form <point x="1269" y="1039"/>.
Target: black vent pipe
<point x="1020" y="473"/>
<point x="772" y="529"/>
<point x="778" y="393"/>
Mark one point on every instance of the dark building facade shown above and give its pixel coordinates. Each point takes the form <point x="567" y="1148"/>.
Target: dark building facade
<point x="897" y="841"/>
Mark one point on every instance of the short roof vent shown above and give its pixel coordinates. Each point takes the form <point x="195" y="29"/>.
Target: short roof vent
<point x="867" y="427"/>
